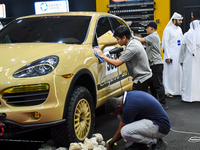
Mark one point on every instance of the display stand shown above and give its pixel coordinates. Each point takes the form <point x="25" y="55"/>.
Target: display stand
<point x="136" y="13"/>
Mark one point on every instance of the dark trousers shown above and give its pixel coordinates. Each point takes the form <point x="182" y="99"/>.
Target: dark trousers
<point x="156" y="83"/>
<point x="142" y="86"/>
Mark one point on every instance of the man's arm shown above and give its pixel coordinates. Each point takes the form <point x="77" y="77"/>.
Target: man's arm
<point x="166" y="46"/>
<point x="183" y="51"/>
<point x="116" y="137"/>
<point x="107" y="59"/>
<point x="142" y="40"/>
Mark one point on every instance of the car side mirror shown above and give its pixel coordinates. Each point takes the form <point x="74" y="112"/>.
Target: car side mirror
<point x="106" y="40"/>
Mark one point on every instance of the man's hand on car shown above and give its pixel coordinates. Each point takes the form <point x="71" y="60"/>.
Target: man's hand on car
<point x="99" y="52"/>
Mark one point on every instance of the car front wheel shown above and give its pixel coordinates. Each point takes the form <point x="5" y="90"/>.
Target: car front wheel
<point x="80" y="119"/>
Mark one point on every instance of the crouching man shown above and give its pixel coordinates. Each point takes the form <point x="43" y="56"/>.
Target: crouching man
<point x="143" y="121"/>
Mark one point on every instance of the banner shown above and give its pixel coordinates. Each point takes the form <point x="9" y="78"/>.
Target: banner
<point x="51" y="7"/>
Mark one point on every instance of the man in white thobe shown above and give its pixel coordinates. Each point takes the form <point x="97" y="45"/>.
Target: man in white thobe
<point x="171" y="42"/>
<point x="190" y="60"/>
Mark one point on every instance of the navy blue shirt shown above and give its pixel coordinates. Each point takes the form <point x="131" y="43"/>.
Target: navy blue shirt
<point x="139" y="105"/>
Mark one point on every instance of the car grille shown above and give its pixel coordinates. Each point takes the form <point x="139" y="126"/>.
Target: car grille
<point x="26" y="98"/>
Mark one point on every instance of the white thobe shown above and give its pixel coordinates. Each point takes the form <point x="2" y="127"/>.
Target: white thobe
<point x="172" y="74"/>
<point x="191" y="71"/>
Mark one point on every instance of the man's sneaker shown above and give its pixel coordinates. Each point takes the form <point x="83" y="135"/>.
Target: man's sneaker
<point x="161" y="145"/>
<point x="165" y="106"/>
<point x="137" y="146"/>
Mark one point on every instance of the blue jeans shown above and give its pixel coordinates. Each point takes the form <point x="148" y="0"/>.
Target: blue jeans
<point x="142" y="131"/>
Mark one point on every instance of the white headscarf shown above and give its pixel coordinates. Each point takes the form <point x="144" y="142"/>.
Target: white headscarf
<point x="170" y="23"/>
<point x="193" y="36"/>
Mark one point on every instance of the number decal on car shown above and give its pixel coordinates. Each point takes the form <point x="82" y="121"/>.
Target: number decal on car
<point x="109" y="67"/>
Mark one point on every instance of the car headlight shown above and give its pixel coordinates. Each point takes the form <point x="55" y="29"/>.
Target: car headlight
<point x="39" y="67"/>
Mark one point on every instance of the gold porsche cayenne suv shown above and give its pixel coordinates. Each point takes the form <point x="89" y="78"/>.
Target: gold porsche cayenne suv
<point x="50" y="76"/>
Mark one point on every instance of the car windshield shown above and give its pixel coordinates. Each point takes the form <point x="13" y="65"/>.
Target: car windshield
<point x="53" y="29"/>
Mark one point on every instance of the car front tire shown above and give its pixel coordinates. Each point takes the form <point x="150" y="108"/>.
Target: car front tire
<point x="80" y="119"/>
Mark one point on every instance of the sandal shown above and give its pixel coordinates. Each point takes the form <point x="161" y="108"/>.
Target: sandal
<point x="170" y="96"/>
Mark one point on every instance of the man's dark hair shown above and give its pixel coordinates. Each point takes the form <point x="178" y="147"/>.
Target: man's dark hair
<point x="121" y="31"/>
<point x="152" y="24"/>
<point x="111" y="104"/>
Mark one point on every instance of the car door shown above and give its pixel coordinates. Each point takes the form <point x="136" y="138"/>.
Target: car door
<point x="108" y="77"/>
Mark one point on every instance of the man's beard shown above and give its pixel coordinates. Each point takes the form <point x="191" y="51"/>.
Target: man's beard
<point x="177" y="24"/>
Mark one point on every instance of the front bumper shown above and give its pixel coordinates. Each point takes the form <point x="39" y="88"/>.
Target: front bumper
<point x="10" y="128"/>
<point x="19" y="108"/>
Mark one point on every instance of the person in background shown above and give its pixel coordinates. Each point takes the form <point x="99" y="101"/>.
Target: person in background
<point x="152" y="42"/>
<point x="143" y="121"/>
<point x="190" y="60"/>
<point x="134" y="56"/>
<point x="171" y="42"/>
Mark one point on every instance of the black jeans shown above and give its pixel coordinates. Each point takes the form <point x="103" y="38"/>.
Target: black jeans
<point x="142" y="86"/>
<point x="156" y="83"/>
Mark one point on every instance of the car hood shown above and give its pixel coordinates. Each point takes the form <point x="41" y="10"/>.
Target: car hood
<point x="21" y="54"/>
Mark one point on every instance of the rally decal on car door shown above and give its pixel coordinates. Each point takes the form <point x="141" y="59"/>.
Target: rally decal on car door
<point x="111" y="73"/>
<point x="109" y="67"/>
